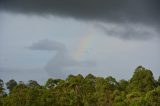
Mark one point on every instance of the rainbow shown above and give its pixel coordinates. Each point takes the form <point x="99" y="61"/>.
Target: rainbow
<point x="84" y="44"/>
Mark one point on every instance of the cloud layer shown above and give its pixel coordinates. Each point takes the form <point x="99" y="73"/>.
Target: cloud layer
<point x="62" y="61"/>
<point x="48" y="45"/>
<point x="111" y="10"/>
<point x="128" y="31"/>
<point x="144" y="12"/>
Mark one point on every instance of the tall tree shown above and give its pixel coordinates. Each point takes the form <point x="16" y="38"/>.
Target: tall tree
<point x="11" y="84"/>
<point x="123" y="84"/>
<point x="1" y="88"/>
<point x="112" y="83"/>
<point x="153" y="97"/>
<point x="51" y="83"/>
<point x="158" y="82"/>
<point x="141" y="81"/>
<point x="33" y="84"/>
<point x="140" y="90"/>
<point x="1" y="91"/>
<point x="75" y="83"/>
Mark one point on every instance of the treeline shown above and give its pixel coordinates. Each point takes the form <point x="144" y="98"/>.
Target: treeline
<point x="141" y="90"/>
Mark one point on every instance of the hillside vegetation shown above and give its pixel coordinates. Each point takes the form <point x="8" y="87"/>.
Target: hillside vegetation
<point x="141" y="90"/>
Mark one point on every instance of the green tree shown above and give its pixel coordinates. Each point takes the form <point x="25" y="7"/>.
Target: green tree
<point x="1" y="87"/>
<point x="135" y="99"/>
<point x="89" y="89"/>
<point x="48" y="98"/>
<point x="141" y="81"/>
<point x="119" y="98"/>
<point x="100" y="86"/>
<point x="153" y="97"/>
<point x="140" y="90"/>
<point x="112" y="84"/>
<point x="158" y="82"/>
<point x="51" y="83"/>
<point x="90" y="77"/>
<point x="11" y="84"/>
<point x="2" y="93"/>
<point x="75" y="86"/>
<point x="123" y="85"/>
<point x="17" y="96"/>
<point x="32" y="84"/>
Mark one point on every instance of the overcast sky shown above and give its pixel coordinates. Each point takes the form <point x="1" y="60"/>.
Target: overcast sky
<point x="41" y="39"/>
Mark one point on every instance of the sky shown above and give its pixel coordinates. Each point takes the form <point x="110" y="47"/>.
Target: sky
<point x="42" y="39"/>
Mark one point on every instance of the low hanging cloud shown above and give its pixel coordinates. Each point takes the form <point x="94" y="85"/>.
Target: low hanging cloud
<point x="62" y="62"/>
<point x="128" y="31"/>
<point x="120" y="12"/>
<point x="48" y="45"/>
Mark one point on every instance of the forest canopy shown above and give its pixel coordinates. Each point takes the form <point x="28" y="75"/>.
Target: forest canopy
<point x="76" y="90"/>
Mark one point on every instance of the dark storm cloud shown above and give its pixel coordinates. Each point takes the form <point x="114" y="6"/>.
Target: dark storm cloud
<point x="62" y="61"/>
<point x="145" y="12"/>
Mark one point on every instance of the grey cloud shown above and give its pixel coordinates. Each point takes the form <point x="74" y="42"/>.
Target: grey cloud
<point x="145" y="12"/>
<point x="129" y="31"/>
<point x="47" y="45"/>
<point x="62" y="62"/>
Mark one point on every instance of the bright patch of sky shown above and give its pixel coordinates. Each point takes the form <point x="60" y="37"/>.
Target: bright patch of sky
<point x="110" y="55"/>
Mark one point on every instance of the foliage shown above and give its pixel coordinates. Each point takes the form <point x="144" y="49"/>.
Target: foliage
<point x="11" y="84"/>
<point x="153" y="97"/>
<point x="142" y="80"/>
<point x="76" y="90"/>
